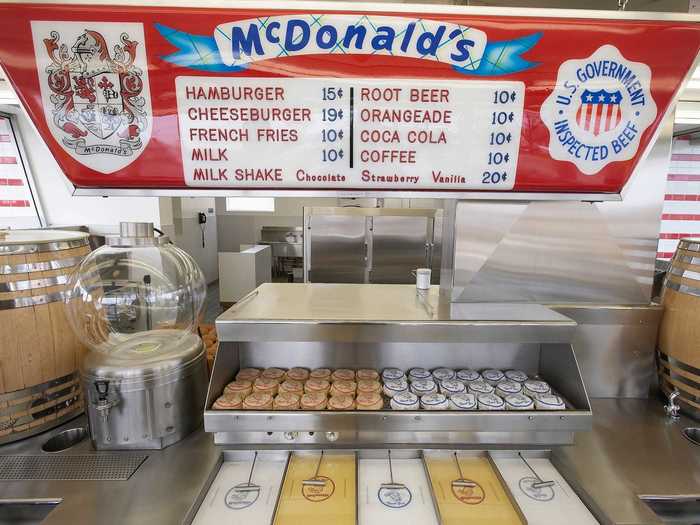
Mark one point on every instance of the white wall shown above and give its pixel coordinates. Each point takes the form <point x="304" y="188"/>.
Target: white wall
<point x="102" y="215"/>
<point x="179" y="221"/>
<point x="236" y="228"/>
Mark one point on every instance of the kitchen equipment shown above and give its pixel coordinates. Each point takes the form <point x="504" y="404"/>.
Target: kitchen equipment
<point x="381" y="326"/>
<point x="461" y="481"/>
<point x="678" y="353"/>
<point x="392" y="485"/>
<point x="287" y="245"/>
<point x="249" y="486"/>
<point x="39" y="354"/>
<point x="539" y="483"/>
<point x="316" y="480"/>
<point x="136" y="302"/>
<point x="146" y="394"/>
<point x="371" y="245"/>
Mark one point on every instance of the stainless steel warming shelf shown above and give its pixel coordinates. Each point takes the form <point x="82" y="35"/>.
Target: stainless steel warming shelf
<point x="377" y="326"/>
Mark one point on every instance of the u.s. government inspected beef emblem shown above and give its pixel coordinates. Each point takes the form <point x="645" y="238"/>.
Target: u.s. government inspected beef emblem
<point x="94" y="90"/>
<point x="599" y="110"/>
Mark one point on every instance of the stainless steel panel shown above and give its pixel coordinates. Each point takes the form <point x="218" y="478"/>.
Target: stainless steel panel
<point x="555" y="363"/>
<point x="85" y="467"/>
<point x="558" y="366"/>
<point x="631" y="450"/>
<point x="149" y="413"/>
<point x="319" y="354"/>
<point x="387" y="421"/>
<point x="448" y="259"/>
<point x="634" y="449"/>
<point x="615" y="347"/>
<point x="310" y="440"/>
<point x="448" y="331"/>
<point x="399" y="245"/>
<point x="396" y="241"/>
<point x="337" y="250"/>
<point x="159" y="493"/>
<point x="436" y="248"/>
<point x="564" y="251"/>
<point x="382" y="313"/>
<point x="540" y="252"/>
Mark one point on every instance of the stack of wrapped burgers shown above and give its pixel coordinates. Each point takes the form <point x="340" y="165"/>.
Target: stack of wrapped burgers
<point x="365" y="389"/>
<point x="302" y="389"/>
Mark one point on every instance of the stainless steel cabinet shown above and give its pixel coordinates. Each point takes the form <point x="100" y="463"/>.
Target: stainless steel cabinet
<point x="370" y="245"/>
<point x="337" y="252"/>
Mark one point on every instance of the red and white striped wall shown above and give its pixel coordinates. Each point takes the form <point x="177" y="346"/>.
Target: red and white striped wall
<point x="17" y="209"/>
<point x="681" y="211"/>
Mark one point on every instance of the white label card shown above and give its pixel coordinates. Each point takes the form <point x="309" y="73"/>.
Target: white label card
<point x="315" y="133"/>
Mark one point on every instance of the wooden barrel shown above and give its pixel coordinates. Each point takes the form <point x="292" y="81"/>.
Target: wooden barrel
<point x="39" y="354"/>
<point x="678" y="355"/>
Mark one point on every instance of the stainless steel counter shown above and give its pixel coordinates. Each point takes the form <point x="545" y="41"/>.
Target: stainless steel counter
<point x="632" y="450"/>
<point x="160" y="492"/>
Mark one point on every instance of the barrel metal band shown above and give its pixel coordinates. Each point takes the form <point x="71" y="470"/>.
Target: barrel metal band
<point x="34" y="300"/>
<point x="685" y="273"/>
<point x="690" y="245"/>
<point x="37" y="389"/>
<point x="682" y="288"/>
<point x="679" y="364"/>
<point x="73" y="404"/>
<point x="39" y="404"/>
<point x="8" y="269"/>
<point x="687" y="259"/>
<point x="61" y="418"/>
<point x="19" y="249"/>
<point x="684" y="394"/>
<point x="20" y="286"/>
<point x="679" y="378"/>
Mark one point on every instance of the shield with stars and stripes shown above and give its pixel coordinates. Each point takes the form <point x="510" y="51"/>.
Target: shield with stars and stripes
<point x="599" y="111"/>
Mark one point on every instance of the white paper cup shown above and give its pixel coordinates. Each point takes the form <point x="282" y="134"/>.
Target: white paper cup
<point x="422" y="278"/>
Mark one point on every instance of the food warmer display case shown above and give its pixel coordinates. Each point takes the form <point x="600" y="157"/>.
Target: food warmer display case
<point x="379" y="463"/>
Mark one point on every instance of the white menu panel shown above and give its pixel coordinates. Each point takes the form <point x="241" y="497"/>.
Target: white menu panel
<point x="314" y="133"/>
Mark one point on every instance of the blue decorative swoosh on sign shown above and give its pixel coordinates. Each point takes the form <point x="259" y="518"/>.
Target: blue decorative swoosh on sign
<point x="195" y="51"/>
<point x="503" y="58"/>
<point x="201" y="53"/>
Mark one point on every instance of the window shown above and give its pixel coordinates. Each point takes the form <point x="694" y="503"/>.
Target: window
<point x="261" y="204"/>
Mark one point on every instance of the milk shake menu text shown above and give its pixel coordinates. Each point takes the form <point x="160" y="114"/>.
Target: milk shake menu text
<point x="359" y="134"/>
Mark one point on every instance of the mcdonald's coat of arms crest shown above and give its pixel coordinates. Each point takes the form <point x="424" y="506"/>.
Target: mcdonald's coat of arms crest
<point x="95" y="91"/>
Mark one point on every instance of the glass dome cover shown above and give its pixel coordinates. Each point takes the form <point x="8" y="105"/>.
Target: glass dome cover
<point x="135" y="285"/>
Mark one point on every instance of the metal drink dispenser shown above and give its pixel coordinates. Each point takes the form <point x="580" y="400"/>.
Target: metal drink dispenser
<point x="135" y="303"/>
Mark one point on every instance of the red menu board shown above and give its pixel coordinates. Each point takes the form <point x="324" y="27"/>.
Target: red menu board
<point x="326" y="98"/>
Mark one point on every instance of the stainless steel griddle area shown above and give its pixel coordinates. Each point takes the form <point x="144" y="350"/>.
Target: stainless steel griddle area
<point x="632" y="450"/>
<point x="623" y="449"/>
